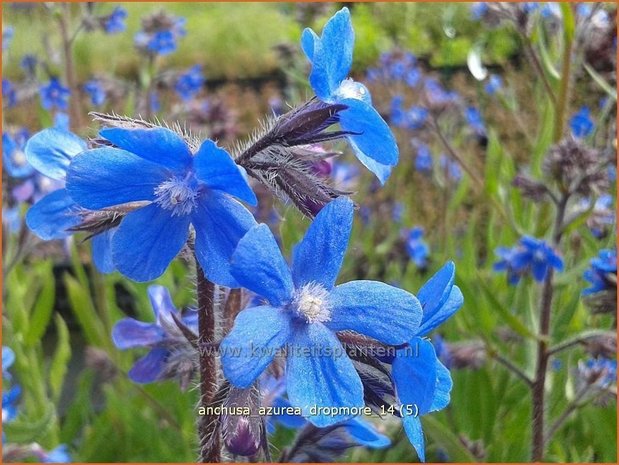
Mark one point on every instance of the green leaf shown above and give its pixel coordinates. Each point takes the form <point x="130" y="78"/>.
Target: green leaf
<point x="569" y="22"/>
<point x="581" y="336"/>
<point x="60" y="360"/>
<point x="606" y="87"/>
<point x="443" y="436"/>
<point x="24" y="431"/>
<point x="42" y="311"/>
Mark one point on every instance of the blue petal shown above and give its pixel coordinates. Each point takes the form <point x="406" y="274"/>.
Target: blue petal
<point x="258" y="265"/>
<point x="102" y="251"/>
<point x="52" y="216"/>
<point x="319" y="373"/>
<point x="128" y="333"/>
<point x="365" y="434"/>
<point x="159" y="145"/>
<point x="149" y="368"/>
<point x="309" y="39"/>
<point x="8" y="358"/>
<point x="220" y="222"/>
<point x="539" y="269"/>
<point x="288" y="421"/>
<point x="106" y="177"/>
<point x="412" y="427"/>
<point x="381" y="171"/>
<point x="318" y="257"/>
<point x="147" y="241"/>
<point x="414" y="374"/>
<point x="372" y="137"/>
<point x="444" y="384"/>
<point x="436" y="290"/>
<point x="438" y="316"/>
<point x="51" y="150"/>
<point x="218" y="171"/>
<point x="361" y="306"/>
<point x="332" y="57"/>
<point x="252" y="344"/>
<point x="161" y="303"/>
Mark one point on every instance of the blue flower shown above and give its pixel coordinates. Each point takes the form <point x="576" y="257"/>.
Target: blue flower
<point x="423" y="160"/>
<point x="8" y="358"/>
<point x="163" y="39"/>
<point x="95" y="91"/>
<point x="599" y="372"/>
<point x="422" y="382"/>
<point x="581" y="123"/>
<point x="7" y="36"/>
<point x="451" y="167"/>
<point x="416" y="117"/>
<point x="397" y="114"/>
<point x="190" y="83"/>
<point x="170" y="354"/>
<point x="115" y="22"/>
<point x="9" y="403"/>
<point x="29" y="64"/>
<point x="58" y="455"/>
<point x="475" y="120"/>
<point x="50" y="152"/>
<point x="13" y="157"/>
<point x="530" y="255"/>
<point x="303" y="311"/>
<point x="54" y="95"/>
<point x="418" y="250"/>
<point x="398" y="212"/>
<point x="494" y="84"/>
<point x="331" y="59"/>
<point x="156" y="166"/>
<point x="413" y="76"/>
<point x="8" y="93"/>
<point x="478" y="10"/>
<point x="603" y="272"/>
<point x="62" y="121"/>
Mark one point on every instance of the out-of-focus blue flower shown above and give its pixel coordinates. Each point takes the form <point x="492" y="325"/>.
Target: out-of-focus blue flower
<point x="11" y="219"/>
<point x="9" y="95"/>
<point x="95" y="91"/>
<point x="331" y="59"/>
<point x="304" y="311"/>
<point x="345" y="175"/>
<point x="437" y="95"/>
<point x="190" y="83"/>
<point x="494" y="84"/>
<point x="58" y="455"/>
<point x="397" y="113"/>
<point x="10" y="397"/>
<point x="29" y="64"/>
<point x="156" y="166"/>
<point x="62" y="121"/>
<point x="155" y="104"/>
<point x="413" y="76"/>
<point x="478" y="10"/>
<point x="398" y="212"/>
<point x="7" y="36"/>
<point x="423" y="160"/>
<point x="599" y="372"/>
<point x="451" y="168"/>
<point x="170" y="354"/>
<point x="475" y="120"/>
<point x="416" y="117"/>
<point x="602" y="273"/>
<point x="581" y="123"/>
<point x="54" y="95"/>
<point x="115" y="22"/>
<point x="531" y="255"/>
<point x="163" y="37"/>
<point x="417" y="248"/>
<point x="8" y="358"/>
<point x="13" y="157"/>
<point x="423" y="384"/>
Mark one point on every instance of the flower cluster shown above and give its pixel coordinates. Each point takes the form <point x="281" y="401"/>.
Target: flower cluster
<point x="531" y="255"/>
<point x="160" y="33"/>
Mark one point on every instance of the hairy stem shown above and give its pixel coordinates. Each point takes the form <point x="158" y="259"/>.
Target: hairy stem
<point x="210" y="444"/>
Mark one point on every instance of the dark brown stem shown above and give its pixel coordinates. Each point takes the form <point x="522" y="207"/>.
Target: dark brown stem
<point x="543" y="354"/>
<point x="210" y="445"/>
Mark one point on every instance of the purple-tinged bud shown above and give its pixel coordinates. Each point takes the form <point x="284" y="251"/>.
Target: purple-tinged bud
<point x="530" y="188"/>
<point x="243" y="433"/>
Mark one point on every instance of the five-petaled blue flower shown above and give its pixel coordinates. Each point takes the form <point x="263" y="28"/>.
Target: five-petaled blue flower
<point x="421" y="380"/>
<point x="54" y="95"/>
<point x="170" y="189"/>
<point x="418" y="250"/>
<point x="95" y="91"/>
<point x="331" y="59"/>
<point x="530" y="255"/>
<point x="304" y="310"/>
<point x="581" y="123"/>
<point x="166" y="342"/>
<point x="115" y="21"/>
<point x="189" y="83"/>
<point x="603" y="272"/>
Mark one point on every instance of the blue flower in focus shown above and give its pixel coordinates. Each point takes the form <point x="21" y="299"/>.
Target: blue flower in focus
<point x="157" y="167"/>
<point x="95" y="91"/>
<point x="423" y="160"/>
<point x="420" y="379"/>
<point x="170" y="354"/>
<point x="475" y="120"/>
<point x="9" y="95"/>
<point x="115" y="22"/>
<point x="530" y="255"/>
<point x="13" y="157"/>
<point x="494" y="84"/>
<point x="602" y="273"/>
<point x="54" y="95"/>
<point x="418" y="250"/>
<point x="190" y="83"/>
<point x="331" y="59"/>
<point x="581" y="123"/>
<point x="304" y="309"/>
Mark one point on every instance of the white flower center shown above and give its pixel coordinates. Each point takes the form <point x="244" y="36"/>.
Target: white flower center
<point x="19" y="158"/>
<point x="312" y="303"/>
<point x="351" y="89"/>
<point x="178" y="195"/>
